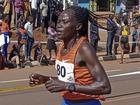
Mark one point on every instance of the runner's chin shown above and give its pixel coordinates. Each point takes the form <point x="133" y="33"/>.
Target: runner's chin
<point x="59" y="35"/>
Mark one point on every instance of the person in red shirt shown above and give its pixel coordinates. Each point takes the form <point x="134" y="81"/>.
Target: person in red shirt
<point x="22" y="35"/>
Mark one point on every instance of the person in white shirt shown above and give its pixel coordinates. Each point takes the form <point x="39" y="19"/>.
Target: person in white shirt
<point x="28" y="47"/>
<point x="123" y="12"/>
<point x="44" y="15"/>
<point x="33" y="4"/>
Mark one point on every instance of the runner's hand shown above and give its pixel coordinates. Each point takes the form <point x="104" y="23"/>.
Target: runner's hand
<point x="54" y="85"/>
<point x="37" y="79"/>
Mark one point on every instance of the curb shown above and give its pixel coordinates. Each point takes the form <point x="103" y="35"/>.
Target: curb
<point x="116" y="57"/>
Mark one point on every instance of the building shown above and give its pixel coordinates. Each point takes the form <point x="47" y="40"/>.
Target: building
<point x="102" y="5"/>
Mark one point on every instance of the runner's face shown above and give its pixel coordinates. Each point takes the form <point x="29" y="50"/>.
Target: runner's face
<point x="66" y="25"/>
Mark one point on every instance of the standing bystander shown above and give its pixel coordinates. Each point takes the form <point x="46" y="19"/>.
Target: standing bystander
<point x="51" y="40"/>
<point x="33" y="4"/>
<point x="18" y="9"/>
<point x="6" y="32"/>
<point x="134" y="38"/>
<point x="44" y="15"/>
<point x="111" y="25"/>
<point x="29" y="29"/>
<point x="125" y="31"/>
<point x="94" y="35"/>
<point x="7" y="6"/>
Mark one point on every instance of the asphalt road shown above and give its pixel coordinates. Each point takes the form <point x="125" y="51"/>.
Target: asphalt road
<point x="124" y="78"/>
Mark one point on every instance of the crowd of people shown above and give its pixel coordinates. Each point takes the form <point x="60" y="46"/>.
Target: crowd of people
<point x="119" y="29"/>
<point x="122" y="29"/>
<point x="41" y="10"/>
<point x="27" y="15"/>
<point x="81" y="79"/>
<point x="24" y="16"/>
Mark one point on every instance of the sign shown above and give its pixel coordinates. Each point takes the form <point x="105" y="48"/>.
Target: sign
<point x="84" y="3"/>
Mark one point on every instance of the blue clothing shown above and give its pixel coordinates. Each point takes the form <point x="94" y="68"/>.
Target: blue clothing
<point x="21" y="36"/>
<point x="5" y="46"/>
<point x="94" y="32"/>
<point x="111" y="25"/>
<point x="6" y="35"/>
<point x="4" y="50"/>
<point x="28" y="47"/>
<point x="37" y="53"/>
<point x="109" y="43"/>
<point x="135" y="34"/>
<point x="88" y="102"/>
<point x="134" y="40"/>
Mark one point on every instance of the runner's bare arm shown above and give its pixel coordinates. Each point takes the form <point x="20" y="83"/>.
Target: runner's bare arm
<point x="101" y="84"/>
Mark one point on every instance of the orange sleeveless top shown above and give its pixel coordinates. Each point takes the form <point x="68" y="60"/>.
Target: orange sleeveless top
<point x="81" y="74"/>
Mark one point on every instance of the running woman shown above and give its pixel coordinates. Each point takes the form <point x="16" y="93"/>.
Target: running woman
<point x="81" y="79"/>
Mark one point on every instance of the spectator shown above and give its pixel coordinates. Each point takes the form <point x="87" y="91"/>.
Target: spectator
<point x="29" y="29"/>
<point x="8" y="5"/>
<point x="134" y="38"/>
<point x="20" y="21"/>
<point x="18" y="9"/>
<point x="44" y="15"/>
<point x="27" y="9"/>
<point x="38" y="23"/>
<point x="94" y="35"/>
<point x="51" y="40"/>
<point x="125" y="31"/>
<point x="1" y="8"/>
<point x="34" y="8"/>
<point x="38" y="52"/>
<point x="117" y="35"/>
<point x="2" y="62"/>
<point x="39" y="56"/>
<point x="51" y="8"/>
<point x="138" y="43"/>
<point x="123" y="12"/>
<point x="22" y="36"/>
<point x="111" y="25"/>
<point x="6" y="32"/>
<point x="14" y="55"/>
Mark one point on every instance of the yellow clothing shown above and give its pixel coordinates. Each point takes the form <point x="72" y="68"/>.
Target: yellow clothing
<point x="26" y="9"/>
<point x="26" y="6"/>
<point x="7" y="7"/>
<point x="125" y="31"/>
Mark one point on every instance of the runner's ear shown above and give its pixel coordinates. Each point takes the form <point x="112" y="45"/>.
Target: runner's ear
<point x="79" y="26"/>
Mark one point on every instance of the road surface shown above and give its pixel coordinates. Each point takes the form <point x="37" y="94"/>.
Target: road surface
<point x="124" y="78"/>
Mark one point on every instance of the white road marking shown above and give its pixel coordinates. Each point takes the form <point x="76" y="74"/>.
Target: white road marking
<point x="124" y="74"/>
<point x="113" y="70"/>
<point x="122" y="98"/>
<point x="111" y="76"/>
<point x="18" y="80"/>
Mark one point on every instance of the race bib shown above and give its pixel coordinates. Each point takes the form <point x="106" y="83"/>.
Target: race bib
<point x="65" y="71"/>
